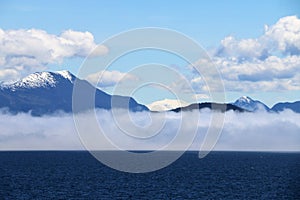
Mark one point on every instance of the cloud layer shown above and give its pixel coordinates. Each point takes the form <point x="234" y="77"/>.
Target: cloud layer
<point x="282" y="37"/>
<point x="241" y="131"/>
<point x="270" y="62"/>
<point x="26" y="51"/>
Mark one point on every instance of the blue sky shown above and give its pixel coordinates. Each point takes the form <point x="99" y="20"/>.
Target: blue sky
<point x="207" y="22"/>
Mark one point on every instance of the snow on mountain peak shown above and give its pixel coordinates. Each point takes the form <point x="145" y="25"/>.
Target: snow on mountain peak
<point x="166" y="104"/>
<point x="245" y="99"/>
<point x="42" y="79"/>
<point x="247" y="103"/>
<point x="66" y="74"/>
<point x="38" y="79"/>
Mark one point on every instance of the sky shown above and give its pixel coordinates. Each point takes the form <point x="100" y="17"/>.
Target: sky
<point x="254" y="44"/>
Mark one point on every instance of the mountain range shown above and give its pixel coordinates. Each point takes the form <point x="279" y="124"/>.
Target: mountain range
<point x="49" y="92"/>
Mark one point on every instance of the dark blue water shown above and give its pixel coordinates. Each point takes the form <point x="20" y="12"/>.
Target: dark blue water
<point x="220" y="175"/>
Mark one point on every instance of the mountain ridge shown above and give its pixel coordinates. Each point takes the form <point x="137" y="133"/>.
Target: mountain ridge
<point x="295" y="106"/>
<point x="48" y="92"/>
<point x="223" y="107"/>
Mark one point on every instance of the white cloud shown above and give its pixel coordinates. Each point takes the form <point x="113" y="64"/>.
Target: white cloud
<point x="109" y="78"/>
<point x="271" y="74"/>
<point x="9" y="74"/>
<point x="276" y="67"/>
<point x="27" y="51"/>
<point x="285" y="34"/>
<point x="282" y="37"/>
<point x="270" y="62"/>
<point x="201" y="97"/>
<point x="241" y="131"/>
<point x="241" y="49"/>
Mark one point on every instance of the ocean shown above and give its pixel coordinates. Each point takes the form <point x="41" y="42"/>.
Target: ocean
<point x="220" y="175"/>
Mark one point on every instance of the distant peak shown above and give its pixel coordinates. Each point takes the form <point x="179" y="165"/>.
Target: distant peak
<point x="245" y="99"/>
<point x="249" y="104"/>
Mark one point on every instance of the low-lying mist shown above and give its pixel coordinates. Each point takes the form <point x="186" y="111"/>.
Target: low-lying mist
<point x="260" y="131"/>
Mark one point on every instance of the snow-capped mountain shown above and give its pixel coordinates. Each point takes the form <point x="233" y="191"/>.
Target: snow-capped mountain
<point x="249" y="104"/>
<point x="166" y="104"/>
<point x="42" y="80"/>
<point x="47" y="92"/>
